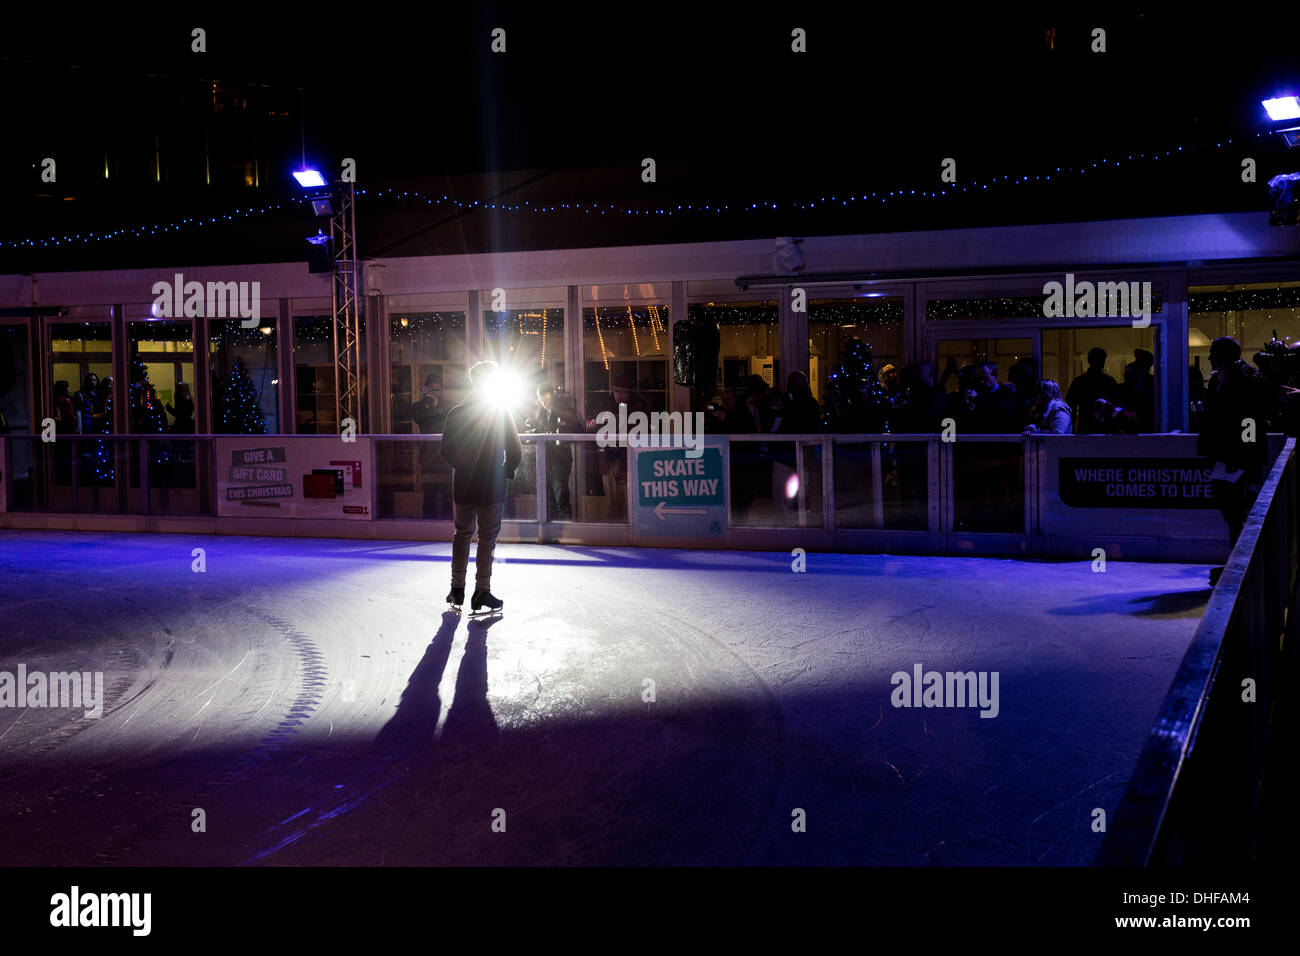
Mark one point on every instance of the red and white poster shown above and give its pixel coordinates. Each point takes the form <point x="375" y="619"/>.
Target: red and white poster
<point x="293" y="476"/>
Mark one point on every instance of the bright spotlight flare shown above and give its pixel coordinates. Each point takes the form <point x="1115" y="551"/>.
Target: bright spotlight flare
<point x="1283" y="108"/>
<point x="505" y="389"/>
<point x="309" y="178"/>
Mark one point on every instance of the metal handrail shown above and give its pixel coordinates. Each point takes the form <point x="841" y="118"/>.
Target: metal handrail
<point x="1140" y="819"/>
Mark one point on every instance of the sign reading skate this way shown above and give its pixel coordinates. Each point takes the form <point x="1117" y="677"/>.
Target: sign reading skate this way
<point x="678" y="496"/>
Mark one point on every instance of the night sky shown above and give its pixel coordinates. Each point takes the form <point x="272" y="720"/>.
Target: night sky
<point x="729" y="113"/>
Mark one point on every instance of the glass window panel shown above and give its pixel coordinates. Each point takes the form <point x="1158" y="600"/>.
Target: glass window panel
<point x="530" y="342"/>
<point x="1252" y="313"/>
<point x="15" y="387"/>
<point x="160" y="357"/>
<point x="315" y="406"/>
<point x="245" y="381"/>
<point x="1065" y="361"/>
<point x="16" y="417"/>
<point x="426" y="351"/>
<point x="749" y="344"/>
<point x="313" y="362"/>
<point x="82" y="353"/>
<point x="1005" y="352"/>
<point x="877" y="321"/>
<point x="626" y="351"/>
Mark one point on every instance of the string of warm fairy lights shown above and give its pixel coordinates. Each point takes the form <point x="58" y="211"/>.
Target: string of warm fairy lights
<point x="655" y="324"/>
<point x="1245" y="300"/>
<point x="617" y="209"/>
<point x="631" y="324"/>
<point x="604" y="356"/>
<point x="1001" y="307"/>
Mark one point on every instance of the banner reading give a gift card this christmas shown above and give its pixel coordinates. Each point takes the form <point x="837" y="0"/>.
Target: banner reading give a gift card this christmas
<point x="291" y="476"/>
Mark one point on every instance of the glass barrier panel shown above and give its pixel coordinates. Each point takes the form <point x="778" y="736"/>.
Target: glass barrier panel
<point x="175" y="467"/>
<point x="989" y="486"/>
<point x="412" y="481"/>
<point x="905" y="488"/>
<point x="852" y="474"/>
<point x="521" y="491"/>
<point x="764" y="484"/>
<point x="810" y="485"/>
<point x="596" y="484"/>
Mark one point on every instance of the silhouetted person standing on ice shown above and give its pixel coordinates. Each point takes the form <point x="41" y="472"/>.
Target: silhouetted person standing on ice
<point x="481" y="443"/>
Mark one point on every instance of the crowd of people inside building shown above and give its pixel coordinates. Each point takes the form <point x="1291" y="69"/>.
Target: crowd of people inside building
<point x="912" y="400"/>
<point x="89" y="411"/>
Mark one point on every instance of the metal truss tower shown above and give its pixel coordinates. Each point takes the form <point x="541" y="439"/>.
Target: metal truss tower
<point x="345" y="300"/>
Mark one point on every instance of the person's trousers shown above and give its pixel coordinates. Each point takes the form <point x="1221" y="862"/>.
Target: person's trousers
<point x="1235" y="499"/>
<point x="615" y="496"/>
<point x="488" y="519"/>
<point x="557" y="494"/>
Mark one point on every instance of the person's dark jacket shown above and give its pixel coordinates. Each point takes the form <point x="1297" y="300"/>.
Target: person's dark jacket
<point x="559" y="456"/>
<point x="1235" y="393"/>
<point x="1086" y="389"/>
<point x="801" y="414"/>
<point x="924" y="410"/>
<point x="66" y="422"/>
<point x="740" y="420"/>
<point x="481" y="443"/>
<point x="998" y="411"/>
<point x="184" y="416"/>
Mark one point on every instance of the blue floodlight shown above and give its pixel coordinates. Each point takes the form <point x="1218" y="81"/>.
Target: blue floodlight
<point x="1283" y="108"/>
<point x="309" y="178"/>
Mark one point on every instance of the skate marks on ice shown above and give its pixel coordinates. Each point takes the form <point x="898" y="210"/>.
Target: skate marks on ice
<point x="767" y="698"/>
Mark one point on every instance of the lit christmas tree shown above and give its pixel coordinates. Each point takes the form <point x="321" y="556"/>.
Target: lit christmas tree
<point x="860" y="403"/>
<point x="240" y="410"/>
<point x="147" y="414"/>
<point x="103" y="453"/>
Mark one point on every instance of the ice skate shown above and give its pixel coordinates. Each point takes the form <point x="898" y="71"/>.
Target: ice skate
<point x="485" y="600"/>
<point x="456" y="598"/>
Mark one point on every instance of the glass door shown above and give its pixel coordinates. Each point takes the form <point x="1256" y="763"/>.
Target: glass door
<point x="16" y="410"/>
<point x="82" y="399"/>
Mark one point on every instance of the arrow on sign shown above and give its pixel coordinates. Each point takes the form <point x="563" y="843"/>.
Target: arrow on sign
<point x="660" y="511"/>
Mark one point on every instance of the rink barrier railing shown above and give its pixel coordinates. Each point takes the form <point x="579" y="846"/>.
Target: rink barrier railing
<point x="852" y="496"/>
<point x="1196" y="797"/>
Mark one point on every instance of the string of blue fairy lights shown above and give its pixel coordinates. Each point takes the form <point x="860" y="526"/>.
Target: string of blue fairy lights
<point x="614" y="208"/>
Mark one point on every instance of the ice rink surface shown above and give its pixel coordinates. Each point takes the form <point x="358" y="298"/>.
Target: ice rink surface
<point x="310" y="701"/>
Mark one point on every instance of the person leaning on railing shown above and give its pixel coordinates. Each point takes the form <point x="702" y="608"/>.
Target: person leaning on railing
<point x="1233" y="432"/>
<point x="429" y="415"/>
<point x="1049" y="413"/>
<point x="800" y="413"/>
<point x="556" y="413"/>
<point x="1111" y="419"/>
